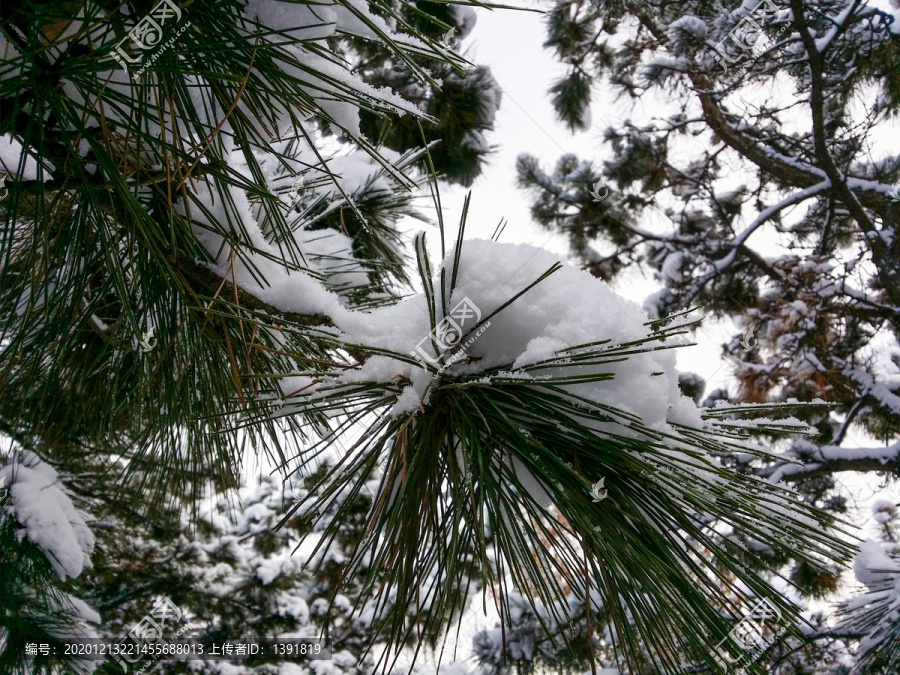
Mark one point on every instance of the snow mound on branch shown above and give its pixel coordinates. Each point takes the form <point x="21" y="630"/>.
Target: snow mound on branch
<point x="568" y="308"/>
<point x="883" y="510"/>
<point x="692" y="25"/>
<point x="39" y="501"/>
<point x="872" y="566"/>
<point x="686" y="35"/>
<point x="876" y="612"/>
<point x="255" y="266"/>
<point x="465" y="18"/>
<point x="327" y="260"/>
<point x="84" y="616"/>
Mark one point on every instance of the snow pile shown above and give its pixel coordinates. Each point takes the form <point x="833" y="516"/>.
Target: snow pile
<point x="875" y="613"/>
<point x="270" y="568"/>
<point x="327" y="254"/>
<point x="873" y="567"/>
<point x="80" y="628"/>
<point x="687" y="36"/>
<point x="883" y="510"/>
<point x="567" y="309"/>
<point x="291" y="604"/>
<point x="256" y="267"/>
<point x="39" y="502"/>
<point x="692" y="25"/>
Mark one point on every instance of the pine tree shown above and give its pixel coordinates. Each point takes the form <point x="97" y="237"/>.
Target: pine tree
<point x="768" y="126"/>
<point x="202" y="257"/>
<point x="123" y="344"/>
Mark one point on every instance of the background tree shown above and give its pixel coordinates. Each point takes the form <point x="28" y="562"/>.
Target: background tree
<point x="775" y="141"/>
<point x="225" y="568"/>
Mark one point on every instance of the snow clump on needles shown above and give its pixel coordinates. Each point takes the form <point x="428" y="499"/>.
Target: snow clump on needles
<point x="567" y="309"/>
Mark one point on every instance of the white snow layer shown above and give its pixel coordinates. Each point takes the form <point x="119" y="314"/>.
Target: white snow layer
<point x="883" y="510"/>
<point x="258" y="267"/>
<point x="693" y="25"/>
<point x="38" y="500"/>
<point x="569" y="308"/>
<point x="872" y="566"/>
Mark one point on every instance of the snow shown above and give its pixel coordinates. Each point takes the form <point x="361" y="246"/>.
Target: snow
<point x="837" y="26"/>
<point x="801" y="307"/>
<point x="465" y="17"/>
<point x="569" y="308"/>
<point x="895" y="24"/>
<point x="878" y="390"/>
<point x="539" y="349"/>
<point x="660" y="67"/>
<point x="256" y="270"/>
<point x="83" y="616"/>
<point x="293" y="605"/>
<point x="475" y="140"/>
<point x="41" y="504"/>
<point x="883" y="510"/>
<point x="874" y="614"/>
<point x="325" y="256"/>
<point x="585" y="118"/>
<point x="83" y="611"/>
<point x="271" y="568"/>
<point x="872" y="566"/>
<point x="671" y="267"/>
<point x="692" y="25"/>
<point x="883" y="454"/>
<point x="455" y="668"/>
<point x="9" y="52"/>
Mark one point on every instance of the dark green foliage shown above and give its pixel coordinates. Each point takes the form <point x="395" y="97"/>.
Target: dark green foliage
<point x="462" y="108"/>
<point x="107" y="235"/>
